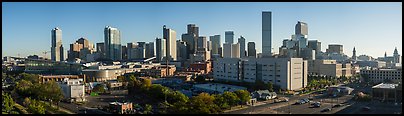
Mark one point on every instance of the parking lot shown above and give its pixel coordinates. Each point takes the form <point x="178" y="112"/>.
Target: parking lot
<point x="307" y="108"/>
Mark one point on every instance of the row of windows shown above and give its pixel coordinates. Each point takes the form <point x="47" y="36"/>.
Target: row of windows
<point x="384" y="78"/>
<point x="394" y="72"/>
<point x="384" y="75"/>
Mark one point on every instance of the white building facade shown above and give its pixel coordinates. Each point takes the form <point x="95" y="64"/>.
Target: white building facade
<point x="288" y="73"/>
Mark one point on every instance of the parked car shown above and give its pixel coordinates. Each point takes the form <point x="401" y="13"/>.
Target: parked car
<point x="338" y="105"/>
<point x="326" y="110"/>
<point x="281" y="99"/>
<point x="306" y="100"/>
<point x="317" y="104"/>
<point x="366" y="108"/>
<point x="302" y="101"/>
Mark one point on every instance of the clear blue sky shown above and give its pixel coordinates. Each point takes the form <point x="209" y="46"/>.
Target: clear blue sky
<point x="372" y="28"/>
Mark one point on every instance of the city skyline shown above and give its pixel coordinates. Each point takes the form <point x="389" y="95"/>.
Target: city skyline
<point x="90" y="22"/>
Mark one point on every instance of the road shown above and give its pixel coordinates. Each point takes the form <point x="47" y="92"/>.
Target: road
<point x="288" y="107"/>
<point x="270" y="105"/>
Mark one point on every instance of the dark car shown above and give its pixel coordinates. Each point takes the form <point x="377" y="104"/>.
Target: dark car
<point x="306" y="100"/>
<point x="326" y="110"/>
<point x="316" y="104"/>
<point x="338" y="105"/>
<point x="366" y="108"/>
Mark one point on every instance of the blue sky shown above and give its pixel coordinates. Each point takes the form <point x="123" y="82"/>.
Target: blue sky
<point x="372" y="28"/>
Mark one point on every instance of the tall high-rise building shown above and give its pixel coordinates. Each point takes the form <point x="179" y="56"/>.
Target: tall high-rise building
<point x="397" y="58"/>
<point x="241" y="41"/>
<point x="171" y="43"/>
<point x="100" y="47"/>
<point x="80" y="49"/>
<point x="335" y="48"/>
<point x="149" y="49"/>
<point x="113" y="49"/>
<point x="227" y="50"/>
<point x="315" y="45"/>
<point x="191" y="38"/>
<point x="193" y="30"/>
<point x="129" y="50"/>
<point x="215" y="39"/>
<point x="229" y="37"/>
<point x="57" y="47"/>
<point x="208" y="45"/>
<point x="354" y="53"/>
<point x="124" y="52"/>
<point x="202" y="43"/>
<point x="235" y="50"/>
<point x="266" y="34"/>
<point x="220" y="52"/>
<point x="182" y="52"/>
<point x="251" y="49"/>
<point x="160" y="49"/>
<point x="301" y="28"/>
<point x="301" y="33"/>
<point x="74" y="51"/>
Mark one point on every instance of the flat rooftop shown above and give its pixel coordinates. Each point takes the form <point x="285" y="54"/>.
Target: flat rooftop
<point x="219" y="87"/>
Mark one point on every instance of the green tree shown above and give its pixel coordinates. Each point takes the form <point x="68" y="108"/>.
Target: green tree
<point x="243" y="95"/>
<point x="24" y="88"/>
<point x="179" y="108"/>
<point x="203" y="104"/>
<point x="146" y="84"/>
<point x="270" y="87"/>
<point x="177" y="96"/>
<point x="158" y="91"/>
<point x="147" y="109"/>
<point x="36" y="107"/>
<point x="100" y="88"/>
<point x="221" y="102"/>
<point x="53" y="91"/>
<point x="8" y="103"/>
<point x="33" y="78"/>
<point x="231" y="98"/>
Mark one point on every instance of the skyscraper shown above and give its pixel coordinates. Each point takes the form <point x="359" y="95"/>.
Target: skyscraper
<point x="191" y="38"/>
<point x="171" y="43"/>
<point x="193" y="30"/>
<point x="251" y="49"/>
<point x="208" y="45"/>
<point x="335" y="48"/>
<point x="266" y="34"/>
<point x="235" y="50"/>
<point x="149" y="50"/>
<point x="182" y="53"/>
<point x="215" y="44"/>
<point x="354" y="53"/>
<point x="301" y="33"/>
<point x="241" y="41"/>
<point x="227" y="50"/>
<point x="129" y="49"/>
<point x="202" y="43"/>
<point x="301" y="28"/>
<point x="80" y="49"/>
<point x="113" y="49"/>
<point x="160" y="49"/>
<point x="57" y="47"/>
<point x="228" y="37"/>
<point x="315" y="45"/>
